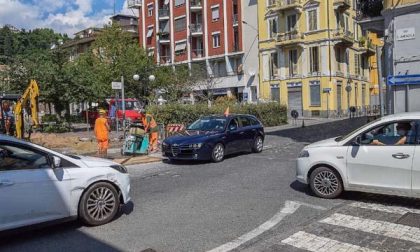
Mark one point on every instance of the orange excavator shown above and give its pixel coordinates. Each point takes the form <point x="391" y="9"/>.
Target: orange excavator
<point x="29" y="99"/>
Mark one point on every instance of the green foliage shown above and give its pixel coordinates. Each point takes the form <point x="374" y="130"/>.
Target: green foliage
<point x="56" y="128"/>
<point x="270" y="114"/>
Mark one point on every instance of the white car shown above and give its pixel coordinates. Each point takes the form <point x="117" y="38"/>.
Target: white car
<point x="39" y="185"/>
<point x="381" y="157"/>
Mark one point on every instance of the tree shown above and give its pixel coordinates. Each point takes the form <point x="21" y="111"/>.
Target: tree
<point x="371" y="8"/>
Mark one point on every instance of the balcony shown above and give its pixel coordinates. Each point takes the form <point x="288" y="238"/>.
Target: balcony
<point x="290" y="38"/>
<point x="342" y="5"/>
<point x="197" y="53"/>
<point x="367" y="48"/>
<point x="163" y="14"/>
<point x="235" y="19"/>
<point x="134" y="4"/>
<point x="284" y="5"/>
<point x="196" y="29"/>
<point x="165" y="59"/>
<point x="164" y="37"/>
<point x="343" y="37"/>
<point x="196" y="5"/>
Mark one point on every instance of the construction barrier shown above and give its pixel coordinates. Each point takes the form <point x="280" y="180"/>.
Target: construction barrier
<point x="172" y="129"/>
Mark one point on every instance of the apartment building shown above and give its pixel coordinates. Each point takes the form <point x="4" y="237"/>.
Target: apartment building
<point x="314" y="57"/>
<point x="220" y="35"/>
<point x="397" y="24"/>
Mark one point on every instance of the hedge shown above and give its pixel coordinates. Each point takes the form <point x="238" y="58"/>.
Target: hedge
<point x="270" y="114"/>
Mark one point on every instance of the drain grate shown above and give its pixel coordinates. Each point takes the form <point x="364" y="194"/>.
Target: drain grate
<point x="410" y="219"/>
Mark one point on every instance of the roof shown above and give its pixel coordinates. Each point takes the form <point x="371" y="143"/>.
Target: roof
<point x="11" y="139"/>
<point x="405" y="115"/>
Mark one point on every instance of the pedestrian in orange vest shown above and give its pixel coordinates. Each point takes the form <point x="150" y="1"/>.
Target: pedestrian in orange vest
<point x="150" y="126"/>
<point x="102" y="133"/>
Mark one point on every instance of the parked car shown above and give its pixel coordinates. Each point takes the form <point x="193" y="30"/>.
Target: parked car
<point x="40" y="185"/>
<point x="214" y="137"/>
<point x="381" y="157"/>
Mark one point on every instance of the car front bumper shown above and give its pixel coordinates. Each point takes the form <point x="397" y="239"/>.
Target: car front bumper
<point x="302" y="169"/>
<point x="204" y="153"/>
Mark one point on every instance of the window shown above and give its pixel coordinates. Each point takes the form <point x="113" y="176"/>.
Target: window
<point x="275" y="93"/>
<point x="314" y="59"/>
<point x="254" y="121"/>
<point x="180" y="24"/>
<point x="312" y="20"/>
<point x="149" y="32"/>
<point x="215" y="13"/>
<point x="357" y="64"/>
<point x="266" y="67"/>
<point x="293" y="63"/>
<point x="291" y="23"/>
<point x="179" y="2"/>
<point x="315" y="90"/>
<point x="216" y="40"/>
<point x="273" y="27"/>
<point x="150" y="10"/>
<point x="180" y="47"/>
<point x="397" y="133"/>
<point x="245" y="121"/>
<point x="234" y="124"/>
<point x="20" y="158"/>
<point x="274" y="64"/>
<point x="219" y="68"/>
<point x="339" y="58"/>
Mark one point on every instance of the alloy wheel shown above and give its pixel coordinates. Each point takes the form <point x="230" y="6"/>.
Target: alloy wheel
<point x="218" y="152"/>
<point x="101" y="204"/>
<point x="326" y="183"/>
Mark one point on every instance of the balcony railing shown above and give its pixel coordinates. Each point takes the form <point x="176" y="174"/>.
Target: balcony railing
<point x="343" y="4"/>
<point x="235" y="19"/>
<point x="289" y="36"/>
<point x="165" y="59"/>
<point x="343" y="34"/>
<point x="164" y="36"/>
<point x="163" y="13"/>
<point x="195" y="3"/>
<point x="196" y="28"/>
<point x="198" y="53"/>
<point x="286" y="4"/>
<point x="134" y="3"/>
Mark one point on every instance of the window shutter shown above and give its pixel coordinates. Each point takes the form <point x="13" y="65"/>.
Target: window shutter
<point x="266" y="67"/>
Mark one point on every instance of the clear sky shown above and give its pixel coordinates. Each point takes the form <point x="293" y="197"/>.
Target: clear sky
<point x="65" y="16"/>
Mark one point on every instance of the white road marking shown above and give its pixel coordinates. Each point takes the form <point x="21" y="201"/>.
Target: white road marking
<point x="384" y="228"/>
<point x="289" y="208"/>
<point x="385" y="208"/>
<point x="310" y="242"/>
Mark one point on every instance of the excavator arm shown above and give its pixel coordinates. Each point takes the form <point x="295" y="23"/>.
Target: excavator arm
<point x="31" y="94"/>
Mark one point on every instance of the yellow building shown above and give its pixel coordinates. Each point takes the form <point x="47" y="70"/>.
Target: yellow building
<point x="314" y="58"/>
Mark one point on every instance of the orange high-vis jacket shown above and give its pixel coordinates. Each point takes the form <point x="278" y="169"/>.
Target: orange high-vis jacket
<point x="149" y="123"/>
<point x="101" y="131"/>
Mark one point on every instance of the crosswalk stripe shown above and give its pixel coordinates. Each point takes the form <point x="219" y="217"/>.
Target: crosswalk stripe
<point x="385" y="208"/>
<point x="384" y="228"/>
<point x="310" y="242"/>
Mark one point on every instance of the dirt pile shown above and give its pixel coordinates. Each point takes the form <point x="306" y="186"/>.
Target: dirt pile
<point x="70" y="143"/>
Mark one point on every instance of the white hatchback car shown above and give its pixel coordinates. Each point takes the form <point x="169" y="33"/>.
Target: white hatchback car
<point x="381" y="157"/>
<point x="39" y="185"/>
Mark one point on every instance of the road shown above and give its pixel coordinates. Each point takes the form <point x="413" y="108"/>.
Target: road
<point x="202" y="206"/>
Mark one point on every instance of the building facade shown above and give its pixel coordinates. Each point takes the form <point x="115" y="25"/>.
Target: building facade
<point x="220" y="35"/>
<point x="314" y="58"/>
<point x="399" y="26"/>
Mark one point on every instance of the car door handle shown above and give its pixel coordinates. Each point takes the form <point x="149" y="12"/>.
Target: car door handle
<point x="6" y="183"/>
<point x="400" y="156"/>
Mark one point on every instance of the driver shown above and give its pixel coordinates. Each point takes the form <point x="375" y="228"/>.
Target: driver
<point x="402" y="131"/>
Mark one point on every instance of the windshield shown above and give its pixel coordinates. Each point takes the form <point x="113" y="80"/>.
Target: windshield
<point x="208" y="124"/>
<point x="130" y="105"/>
<point x="338" y="139"/>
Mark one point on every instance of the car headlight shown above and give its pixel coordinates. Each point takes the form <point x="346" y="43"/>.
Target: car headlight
<point x="165" y="144"/>
<point x="196" y="146"/>
<point x="119" y="168"/>
<point x="303" y="154"/>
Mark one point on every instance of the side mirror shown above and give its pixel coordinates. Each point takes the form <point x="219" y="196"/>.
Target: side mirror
<point x="56" y="162"/>
<point x="357" y="141"/>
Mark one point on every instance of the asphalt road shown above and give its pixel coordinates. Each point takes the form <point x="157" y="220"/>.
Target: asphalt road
<point x="199" y="206"/>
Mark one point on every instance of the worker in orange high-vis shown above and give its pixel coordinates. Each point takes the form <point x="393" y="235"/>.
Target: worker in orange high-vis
<point x="102" y="133"/>
<point x="150" y="126"/>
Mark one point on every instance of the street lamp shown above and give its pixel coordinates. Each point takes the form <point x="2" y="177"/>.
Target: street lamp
<point x="151" y="78"/>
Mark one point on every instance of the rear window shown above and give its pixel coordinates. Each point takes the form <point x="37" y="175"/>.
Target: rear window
<point x="254" y="121"/>
<point x="245" y="121"/>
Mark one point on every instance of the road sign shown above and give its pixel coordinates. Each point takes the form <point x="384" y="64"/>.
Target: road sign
<point x="116" y="85"/>
<point x="348" y="88"/>
<point x="294" y="114"/>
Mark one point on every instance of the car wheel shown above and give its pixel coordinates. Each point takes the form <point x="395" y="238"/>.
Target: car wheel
<point x="258" y="144"/>
<point x="218" y="153"/>
<point x="326" y="183"/>
<point x="99" y="204"/>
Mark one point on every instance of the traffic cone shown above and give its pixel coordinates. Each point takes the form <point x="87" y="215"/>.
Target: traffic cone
<point x="226" y="112"/>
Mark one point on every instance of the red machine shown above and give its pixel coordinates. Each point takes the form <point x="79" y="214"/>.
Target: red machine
<point x="132" y="110"/>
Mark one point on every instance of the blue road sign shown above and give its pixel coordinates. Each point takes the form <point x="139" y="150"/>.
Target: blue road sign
<point x="413" y="79"/>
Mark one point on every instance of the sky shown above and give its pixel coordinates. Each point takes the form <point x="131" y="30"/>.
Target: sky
<point x="64" y="16"/>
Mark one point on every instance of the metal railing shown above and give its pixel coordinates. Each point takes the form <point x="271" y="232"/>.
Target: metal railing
<point x="163" y="13"/>
<point x="196" y="28"/>
<point x="165" y="59"/>
<point x="292" y="35"/>
<point x="285" y="3"/>
<point x="133" y="3"/>
<point x="197" y="53"/>
<point x="195" y="3"/>
<point x="343" y="33"/>
<point x="164" y="35"/>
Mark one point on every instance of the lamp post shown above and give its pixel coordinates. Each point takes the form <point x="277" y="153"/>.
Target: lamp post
<point x="151" y="78"/>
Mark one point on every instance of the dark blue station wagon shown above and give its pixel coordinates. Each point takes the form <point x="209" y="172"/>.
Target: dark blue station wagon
<point x="214" y="137"/>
